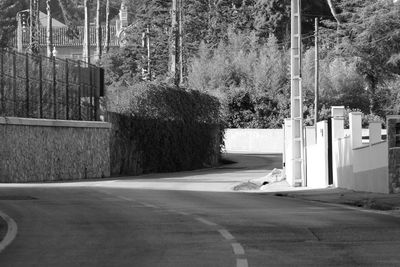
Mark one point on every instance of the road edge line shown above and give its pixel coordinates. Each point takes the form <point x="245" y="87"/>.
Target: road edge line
<point x="12" y="230"/>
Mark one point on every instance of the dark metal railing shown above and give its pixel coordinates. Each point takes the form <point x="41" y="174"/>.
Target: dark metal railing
<point x="51" y="88"/>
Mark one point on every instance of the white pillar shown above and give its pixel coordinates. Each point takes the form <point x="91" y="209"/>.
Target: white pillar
<point x="287" y="157"/>
<point x="337" y="122"/>
<point x="322" y="142"/>
<point x="375" y="129"/>
<point x="337" y="133"/>
<point x="355" y="129"/>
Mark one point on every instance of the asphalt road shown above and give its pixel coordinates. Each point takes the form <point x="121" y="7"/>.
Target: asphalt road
<point x="116" y="223"/>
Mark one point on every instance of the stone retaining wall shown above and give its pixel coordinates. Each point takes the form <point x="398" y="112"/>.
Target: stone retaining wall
<point x="37" y="150"/>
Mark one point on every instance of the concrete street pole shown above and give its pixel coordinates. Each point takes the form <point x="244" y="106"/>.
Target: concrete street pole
<point x="174" y="75"/>
<point x="98" y="33"/>
<point x="316" y="82"/>
<point x="34" y="26"/>
<point x="86" y="35"/>
<point x="107" y="37"/>
<point x="297" y="175"/>
<point x="49" y="37"/>
<point x="19" y="32"/>
<point x="180" y="8"/>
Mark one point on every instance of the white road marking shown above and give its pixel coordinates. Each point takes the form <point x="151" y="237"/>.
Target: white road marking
<point x="172" y="211"/>
<point x="242" y="263"/>
<point x="124" y="198"/>
<point x="111" y="199"/>
<point x="183" y="213"/>
<point x="225" y="233"/>
<point x="12" y="230"/>
<point x="237" y="249"/>
<point x="205" y="221"/>
<point x="104" y="192"/>
<point x="149" y="205"/>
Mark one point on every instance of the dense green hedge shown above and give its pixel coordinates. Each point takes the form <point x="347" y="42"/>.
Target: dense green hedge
<point x="157" y="128"/>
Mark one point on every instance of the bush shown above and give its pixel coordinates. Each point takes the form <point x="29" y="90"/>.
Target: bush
<point x="157" y="128"/>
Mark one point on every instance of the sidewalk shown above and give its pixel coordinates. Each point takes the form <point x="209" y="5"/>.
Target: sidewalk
<point x="376" y="201"/>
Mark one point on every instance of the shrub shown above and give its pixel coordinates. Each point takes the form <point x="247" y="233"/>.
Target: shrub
<point x="157" y="128"/>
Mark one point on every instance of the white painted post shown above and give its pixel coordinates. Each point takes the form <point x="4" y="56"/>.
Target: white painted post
<point x="288" y="148"/>
<point x="355" y="129"/>
<point x="337" y="122"/>
<point x="322" y="141"/>
<point x="337" y="133"/>
<point x="375" y="129"/>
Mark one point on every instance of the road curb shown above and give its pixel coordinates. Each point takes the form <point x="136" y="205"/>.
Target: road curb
<point x="392" y="213"/>
<point x="12" y="230"/>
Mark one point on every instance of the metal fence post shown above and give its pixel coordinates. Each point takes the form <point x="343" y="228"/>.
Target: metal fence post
<point x="3" y="111"/>
<point x="79" y="90"/>
<point x="97" y="95"/>
<point x="14" y="77"/>
<point x="67" y="89"/>
<point x="91" y="91"/>
<point x="40" y="88"/>
<point x="27" y="84"/>
<point x="54" y="89"/>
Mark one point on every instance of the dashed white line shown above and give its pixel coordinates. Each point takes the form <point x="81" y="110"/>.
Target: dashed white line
<point x="172" y="211"/>
<point x="124" y="198"/>
<point x="205" y="221"/>
<point x="150" y="205"/>
<point x="12" y="230"/>
<point x="237" y="249"/>
<point x="242" y="263"/>
<point x="225" y="233"/>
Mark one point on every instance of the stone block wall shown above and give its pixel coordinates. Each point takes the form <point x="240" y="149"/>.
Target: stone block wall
<point x="36" y="150"/>
<point x="393" y="136"/>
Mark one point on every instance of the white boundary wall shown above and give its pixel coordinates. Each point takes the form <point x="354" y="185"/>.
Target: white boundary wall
<point x="266" y="141"/>
<point x="355" y="165"/>
<point x="317" y="155"/>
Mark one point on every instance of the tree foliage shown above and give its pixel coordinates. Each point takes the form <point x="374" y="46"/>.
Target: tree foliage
<point x="370" y="37"/>
<point x="8" y="21"/>
<point x="250" y="79"/>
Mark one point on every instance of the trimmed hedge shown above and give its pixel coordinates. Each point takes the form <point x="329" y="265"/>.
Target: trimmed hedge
<point x="163" y="129"/>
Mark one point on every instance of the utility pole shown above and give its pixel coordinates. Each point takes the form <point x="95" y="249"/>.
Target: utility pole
<point x="34" y="26"/>
<point x="143" y="57"/>
<point x="19" y="33"/>
<point x="49" y="37"/>
<point x="98" y="33"/>
<point x="107" y="37"/>
<point x="316" y="76"/>
<point x="174" y="75"/>
<point x="297" y="175"/>
<point x="181" y="42"/>
<point x="86" y="35"/>
<point x="148" y="52"/>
